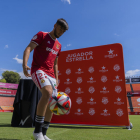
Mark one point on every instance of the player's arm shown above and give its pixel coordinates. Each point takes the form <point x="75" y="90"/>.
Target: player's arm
<point x="26" y="55"/>
<point x="56" y="70"/>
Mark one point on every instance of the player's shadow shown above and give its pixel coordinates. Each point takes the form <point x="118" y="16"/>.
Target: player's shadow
<point x="84" y="127"/>
<point x="9" y="125"/>
<point x="5" y="125"/>
<point x="69" y="127"/>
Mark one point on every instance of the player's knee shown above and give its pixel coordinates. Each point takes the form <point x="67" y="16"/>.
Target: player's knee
<point x="47" y="93"/>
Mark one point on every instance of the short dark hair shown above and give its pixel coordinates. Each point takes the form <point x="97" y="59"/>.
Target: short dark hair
<point x="62" y="22"/>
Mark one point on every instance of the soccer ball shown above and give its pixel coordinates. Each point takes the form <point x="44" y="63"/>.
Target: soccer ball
<point x="60" y="104"/>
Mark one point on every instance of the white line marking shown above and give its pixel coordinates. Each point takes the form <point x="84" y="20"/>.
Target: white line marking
<point x="57" y="133"/>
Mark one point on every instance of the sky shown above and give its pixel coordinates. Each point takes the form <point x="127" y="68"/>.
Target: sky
<point x="91" y="23"/>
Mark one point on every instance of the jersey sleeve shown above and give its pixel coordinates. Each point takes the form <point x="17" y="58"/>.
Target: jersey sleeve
<point x="59" y="52"/>
<point x="38" y="38"/>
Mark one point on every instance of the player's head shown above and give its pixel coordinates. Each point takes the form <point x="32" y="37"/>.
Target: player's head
<point x="60" y="27"/>
<point x="62" y="22"/>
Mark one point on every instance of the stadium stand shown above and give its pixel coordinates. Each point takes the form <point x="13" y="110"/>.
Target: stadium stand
<point x="7" y="96"/>
<point x="133" y="94"/>
<point x="6" y="103"/>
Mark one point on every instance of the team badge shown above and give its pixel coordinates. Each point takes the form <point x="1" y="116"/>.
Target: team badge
<point x="42" y="81"/>
<point x="57" y="46"/>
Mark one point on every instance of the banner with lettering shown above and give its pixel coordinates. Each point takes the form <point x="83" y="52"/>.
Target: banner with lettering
<point x="8" y="85"/>
<point x="94" y="79"/>
<point x="7" y="92"/>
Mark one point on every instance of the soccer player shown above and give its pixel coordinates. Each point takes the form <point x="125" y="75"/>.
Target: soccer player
<point x="44" y="72"/>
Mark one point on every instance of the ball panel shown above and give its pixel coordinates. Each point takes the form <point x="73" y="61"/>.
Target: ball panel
<point x="62" y="93"/>
<point x="55" y="111"/>
<point x="62" y="99"/>
<point x="62" y="111"/>
<point x="52" y="104"/>
<point x="66" y="105"/>
<point x="60" y="104"/>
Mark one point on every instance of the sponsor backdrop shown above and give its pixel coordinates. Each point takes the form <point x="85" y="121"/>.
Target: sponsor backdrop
<point x="95" y="81"/>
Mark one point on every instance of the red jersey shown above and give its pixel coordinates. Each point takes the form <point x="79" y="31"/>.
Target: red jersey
<point x="45" y="53"/>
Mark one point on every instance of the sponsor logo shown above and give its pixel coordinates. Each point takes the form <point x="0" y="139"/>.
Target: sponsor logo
<point x="68" y="82"/>
<point x="79" y="71"/>
<point x="2" y="84"/>
<point x="4" y="92"/>
<point x="111" y="54"/>
<point x="119" y="112"/>
<point x="110" y="51"/>
<point x="49" y="42"/>
<point x="55" y="86"/>
<point x="118" y="89"/>
<point x="12" y="86"/>
<point x="67" y="90"/>
<point x="35" y="37"/>
<point x="117" y="79"/>
<point x="91" y="69"/>
<point x="116" y="67"/>
<point x="118" y="101"/>
<point x="135" y="80"/>
<point x="103" y="69"/>
<point x="91" y="102"/>
<point x="91" y="111"/>
<point x="79" y="80"/>
<point x="104" y="79"/>
<point x="42" y="80"/>
<point x="79" y="112"/>
<point x="91" y="80"/>
<point x="59" y="73"/>
<point x="51" y="50"/>
<point x="105" y="113"/>
<point x="105" y="100"/>
<point x="68" y="71"/>
<point x="22" y="122"/>
<point x="79" y="100"/>
<point x="79" y="56"/>
<point x="91" y="89"/>
<point x="79" y="91"/>
<point x="104" y="90"/>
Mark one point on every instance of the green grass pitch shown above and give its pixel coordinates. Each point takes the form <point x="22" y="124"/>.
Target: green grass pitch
<point x="63" y="132"/>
